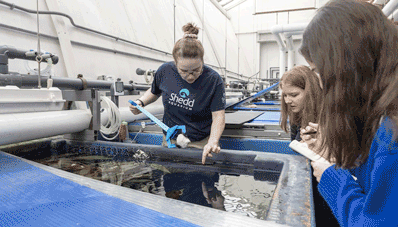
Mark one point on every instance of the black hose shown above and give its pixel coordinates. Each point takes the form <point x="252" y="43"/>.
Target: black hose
<point x="21" y="80"/>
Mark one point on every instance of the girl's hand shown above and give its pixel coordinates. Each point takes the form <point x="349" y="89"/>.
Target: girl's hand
<point x="312" y="136"/>
<point x="319" y="168"/>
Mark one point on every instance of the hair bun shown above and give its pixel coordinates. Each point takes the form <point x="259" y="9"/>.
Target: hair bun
<point x="190" y="29"/>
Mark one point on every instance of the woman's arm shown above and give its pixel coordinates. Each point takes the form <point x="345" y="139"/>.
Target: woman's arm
<point x="146" y="99"/>
<point x="217" y="128"/>
<point x="372" y="203"/>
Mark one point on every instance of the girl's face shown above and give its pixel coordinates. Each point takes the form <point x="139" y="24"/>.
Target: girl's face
<point x="189" y="68"/>
<point x="294" y="97"/>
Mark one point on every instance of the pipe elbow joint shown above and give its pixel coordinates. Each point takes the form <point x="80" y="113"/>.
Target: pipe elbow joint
<point x="6" y="49"/>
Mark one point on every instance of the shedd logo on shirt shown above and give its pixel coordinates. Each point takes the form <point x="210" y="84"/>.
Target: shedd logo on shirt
<point x="183" y="101"/>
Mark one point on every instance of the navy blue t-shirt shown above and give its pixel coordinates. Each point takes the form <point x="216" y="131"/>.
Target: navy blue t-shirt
<point x="189" y="104"/>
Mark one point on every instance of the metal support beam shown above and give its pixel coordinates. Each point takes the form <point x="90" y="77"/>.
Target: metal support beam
<point x="91" y="96"/>
<point x="64" y="40"/>
<point x="222" y="10"/>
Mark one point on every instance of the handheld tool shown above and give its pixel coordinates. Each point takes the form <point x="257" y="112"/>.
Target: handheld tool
<point x="170" y="132"/>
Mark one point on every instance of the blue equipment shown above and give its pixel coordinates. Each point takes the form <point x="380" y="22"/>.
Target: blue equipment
<point x="170" y="132"/>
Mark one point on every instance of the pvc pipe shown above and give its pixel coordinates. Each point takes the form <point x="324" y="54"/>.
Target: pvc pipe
<point x="127" y="115"/>
<point x="390" y="7"/>
<point x="21" y="127"/>
<point x="293" y="33"/>
<point x="282" y="63"/>
<point x="21" y="80"/>
<point x="13" y="52"/>
<point x="288" y="28"/>
<point x="157" y="109"/>
<point x="281" y="44"/>
<point x="290" y="45"/>
<point x="276" y="30"/>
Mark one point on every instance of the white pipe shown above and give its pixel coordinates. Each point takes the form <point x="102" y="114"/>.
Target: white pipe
<point x="290" y="57"/>
<point x="222" y="10"/>
<point x="293" y="33"/>
<point x="21" y="127"/>
<point x="276" y="31"/>
<point x="390" y="7"/>
<point x="288" y="28"/>
<point x="282" y="63"/>
<point x="282" y="45"/>
<point x="127" y="115"/>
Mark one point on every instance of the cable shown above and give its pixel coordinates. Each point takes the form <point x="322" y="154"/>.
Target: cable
<point x="114" y="121"/>
<point x="13" y="6"/>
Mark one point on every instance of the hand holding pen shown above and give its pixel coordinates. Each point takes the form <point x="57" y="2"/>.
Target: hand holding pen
<point x="309" y="134"/>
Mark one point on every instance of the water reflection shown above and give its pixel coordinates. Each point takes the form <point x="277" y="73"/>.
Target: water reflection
<point x="195" y="188"/>
<point x="224" y="189"/>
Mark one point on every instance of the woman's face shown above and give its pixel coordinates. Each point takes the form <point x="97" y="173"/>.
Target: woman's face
<point x="189" y="68"/>
<point x="294" y="97"/>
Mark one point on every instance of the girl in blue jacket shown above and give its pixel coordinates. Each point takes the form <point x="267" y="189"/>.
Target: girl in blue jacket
<point x="354" y="49"/>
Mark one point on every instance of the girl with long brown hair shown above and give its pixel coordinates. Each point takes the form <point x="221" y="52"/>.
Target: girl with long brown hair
<point x="301" y="103"/>
<point x="354" y="48"/>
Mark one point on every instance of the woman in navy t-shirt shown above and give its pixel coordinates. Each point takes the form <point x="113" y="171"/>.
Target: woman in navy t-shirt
<point x="193" y="94"/>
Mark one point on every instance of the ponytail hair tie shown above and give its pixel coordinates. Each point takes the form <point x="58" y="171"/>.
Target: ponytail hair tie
<point x="192" y="36"/>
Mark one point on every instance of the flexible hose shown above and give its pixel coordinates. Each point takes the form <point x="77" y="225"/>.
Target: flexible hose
<point x="114" y="121"/>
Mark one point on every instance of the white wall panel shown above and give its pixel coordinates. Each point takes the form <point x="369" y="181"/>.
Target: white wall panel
<point x="265" y="21"/>
<point x="232" y="50"/>
<point x="299" y="59"/>
<point x="145" y="22"/>
<point x="246" y="19"/>
<point x="272" y="5"/>
<point x="235" y="15"/>
<point x="269" y="55"/>
<point x="248" y="44"/>
<point x="301" y="16"/>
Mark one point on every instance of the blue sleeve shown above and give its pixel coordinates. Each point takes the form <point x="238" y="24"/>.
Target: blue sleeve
<point x="218" y="101"/>
<point x="348" y="200"/>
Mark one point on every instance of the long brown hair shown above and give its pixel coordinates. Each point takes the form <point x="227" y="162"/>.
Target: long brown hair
<point x="302" y="77"/>
<point x="355" y="49"/>
<point x="189" y="46"/>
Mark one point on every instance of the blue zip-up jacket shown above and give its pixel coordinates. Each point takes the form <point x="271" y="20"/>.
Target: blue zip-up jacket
<point x="372" y="199"/>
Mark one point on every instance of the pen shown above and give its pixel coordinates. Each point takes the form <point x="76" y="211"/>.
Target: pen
<point x="309" y="133"/>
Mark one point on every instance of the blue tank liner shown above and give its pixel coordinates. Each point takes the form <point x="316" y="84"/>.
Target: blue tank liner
<point x="269" y="117"/>
<point x="31" y="196"/>
<point x="267" y="103"/>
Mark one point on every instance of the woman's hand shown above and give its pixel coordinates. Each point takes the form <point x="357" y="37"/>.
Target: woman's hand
<point x="310" y="138"/>
<point x="134" y="109"/>
<point x="210" y="147"/>
<point x="319" y="168"/>
<point x="311" y="135"/>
